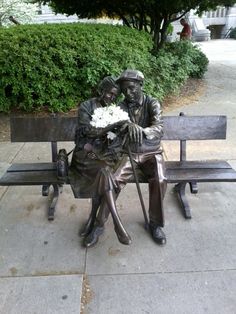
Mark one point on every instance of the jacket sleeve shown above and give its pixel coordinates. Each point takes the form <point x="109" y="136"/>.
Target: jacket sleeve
<point x="155" y="128"/>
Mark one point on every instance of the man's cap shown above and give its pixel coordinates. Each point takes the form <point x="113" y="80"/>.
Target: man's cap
<point x="131" y="75"/>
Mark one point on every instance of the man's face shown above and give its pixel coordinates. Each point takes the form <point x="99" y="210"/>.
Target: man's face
<point x="109" y="96"/>
<point x="132" y="90"/>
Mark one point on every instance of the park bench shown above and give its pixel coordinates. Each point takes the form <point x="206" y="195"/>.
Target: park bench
<point x="58" y="128"/>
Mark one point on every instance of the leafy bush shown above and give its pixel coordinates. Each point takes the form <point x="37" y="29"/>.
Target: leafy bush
<point x="173" y="65"/>
<point x="59" y="65"/>
<point x="232" y="33"/>
<point x="56" y="66"/>
<point x="192" y="59"/>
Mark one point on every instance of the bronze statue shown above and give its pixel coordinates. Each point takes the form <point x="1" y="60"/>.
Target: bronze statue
<point x="143" y="138"/>
<point x="93" y="160"/>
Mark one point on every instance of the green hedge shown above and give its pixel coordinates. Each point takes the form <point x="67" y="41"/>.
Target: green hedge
<point x="56" y="66"/>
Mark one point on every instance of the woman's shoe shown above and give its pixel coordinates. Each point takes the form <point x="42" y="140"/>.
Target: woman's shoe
<point x="123" y="238"/>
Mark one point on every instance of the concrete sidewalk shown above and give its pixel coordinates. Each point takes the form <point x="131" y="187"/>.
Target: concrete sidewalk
<point x="45" y="270"/>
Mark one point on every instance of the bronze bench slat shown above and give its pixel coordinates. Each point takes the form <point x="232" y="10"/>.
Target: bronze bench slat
<point x="200" y="175"/>
<point x="45" y="166"/>
<point x="43" y="129"/>
<point x="58" y="128"/>
<point x="29" y="178"/>
<point x="194" y="127"/>
<point x="195" y="164"/>
<point x="27" y="174"/>
<point x="49" y="166"/>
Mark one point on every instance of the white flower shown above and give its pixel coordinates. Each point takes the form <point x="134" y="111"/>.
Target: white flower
<point x="105" y="116"/>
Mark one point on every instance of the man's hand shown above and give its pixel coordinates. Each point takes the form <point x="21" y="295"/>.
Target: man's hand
<point x="135" y="133"/>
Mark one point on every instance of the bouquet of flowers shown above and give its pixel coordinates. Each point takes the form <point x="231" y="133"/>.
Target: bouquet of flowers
<point x="108" y="116"/>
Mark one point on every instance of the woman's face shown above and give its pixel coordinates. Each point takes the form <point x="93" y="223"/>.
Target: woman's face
<point x="108" y="96"/>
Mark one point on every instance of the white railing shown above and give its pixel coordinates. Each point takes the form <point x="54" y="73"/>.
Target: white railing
<point x="219" y="12"/>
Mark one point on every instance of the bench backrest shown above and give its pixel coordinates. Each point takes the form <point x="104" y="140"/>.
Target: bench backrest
<point x="62" y="128"/>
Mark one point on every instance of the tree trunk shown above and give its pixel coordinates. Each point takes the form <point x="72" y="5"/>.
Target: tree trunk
<point x="163" y="31"/>
<point x="156" y="36"/>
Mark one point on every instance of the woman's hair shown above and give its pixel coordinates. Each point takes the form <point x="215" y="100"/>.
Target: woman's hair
<point x="106" y="84"/>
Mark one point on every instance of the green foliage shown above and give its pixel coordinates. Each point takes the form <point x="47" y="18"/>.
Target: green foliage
<point x="170" y="29"/>
<point x="174" y="63"/>
<point x="232" y="33"/>
<point x="188" y="56"/>
<point x="54" y="67"/>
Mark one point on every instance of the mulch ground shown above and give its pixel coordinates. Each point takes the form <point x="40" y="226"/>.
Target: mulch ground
<point x="191" y="91"/>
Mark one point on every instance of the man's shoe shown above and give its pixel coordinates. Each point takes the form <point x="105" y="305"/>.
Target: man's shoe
<point x="157" y="234"/>
<point x="91" y="239"/>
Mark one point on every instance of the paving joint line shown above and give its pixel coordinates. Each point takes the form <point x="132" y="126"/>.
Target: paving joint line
<point x="4" y="192"/>
<point x="122" y="274"/>
<point x="18" y="152"/>
<point x="7" y="188"/>
<point x="37" y="276"/>
<point x="165" y="272"/>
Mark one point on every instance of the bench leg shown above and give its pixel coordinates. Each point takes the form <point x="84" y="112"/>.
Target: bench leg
<point x="193" y="187"/>
<point x="180" y="189"/>
<point x="51" y="209"/>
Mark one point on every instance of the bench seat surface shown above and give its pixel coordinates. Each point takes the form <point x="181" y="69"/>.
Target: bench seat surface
<point x="200" y="171"/>
<point x="176" y="171"/>
<point x="29" y="178"/>
<point x="30" y="174"/>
